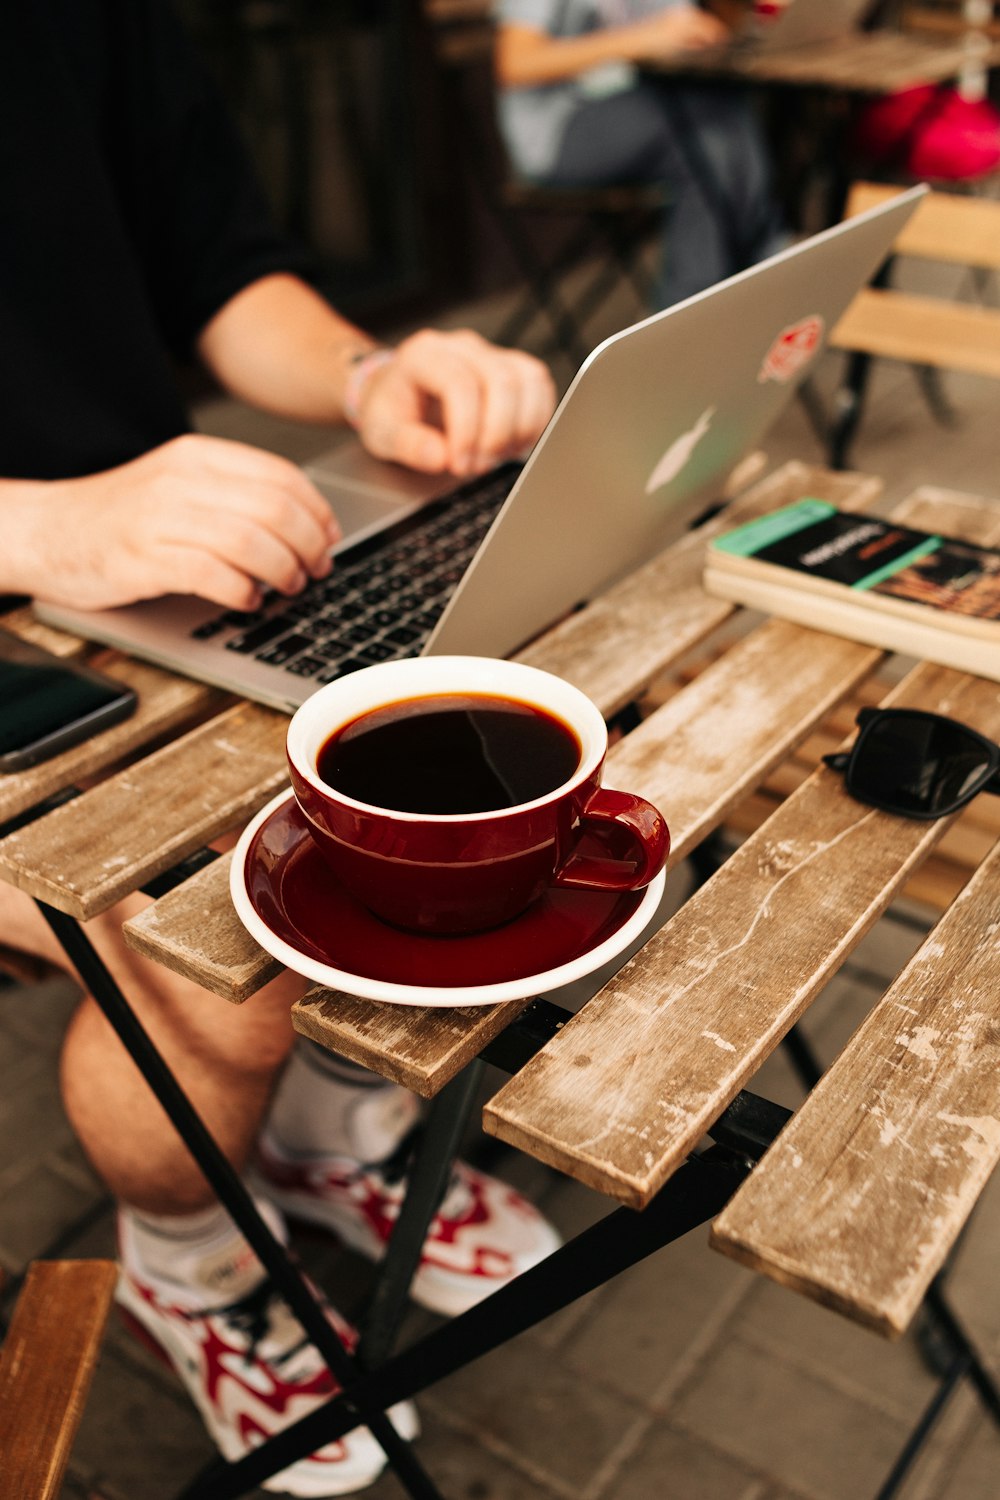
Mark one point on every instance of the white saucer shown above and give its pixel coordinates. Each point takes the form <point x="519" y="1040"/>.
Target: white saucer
<point x="291" y="903"/>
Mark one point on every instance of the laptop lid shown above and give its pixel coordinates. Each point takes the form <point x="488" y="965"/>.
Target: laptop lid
<point x="655" y="421"/>
<point x="644" y="439"/>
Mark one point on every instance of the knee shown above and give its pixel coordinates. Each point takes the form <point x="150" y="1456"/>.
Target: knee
<point x="265" y="1022"/>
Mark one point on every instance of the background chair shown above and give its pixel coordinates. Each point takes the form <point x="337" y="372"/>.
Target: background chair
<point x="546" y="231"/>
<point x="47" y="1361"/>
<point x="934" y="332"/>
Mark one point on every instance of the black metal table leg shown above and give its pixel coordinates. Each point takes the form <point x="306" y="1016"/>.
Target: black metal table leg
<point x="232" y="1193"/>
<point x="427" y="1180"/>
<point x="965" y="1364"/>
<point x="695" y="1194"/>
<point x="942" y="1311"/>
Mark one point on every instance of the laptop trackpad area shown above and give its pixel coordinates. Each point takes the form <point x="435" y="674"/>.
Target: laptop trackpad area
<point x="366" y="494"/>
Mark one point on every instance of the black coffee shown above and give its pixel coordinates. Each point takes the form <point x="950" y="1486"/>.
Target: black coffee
<point x="450" y="753"/>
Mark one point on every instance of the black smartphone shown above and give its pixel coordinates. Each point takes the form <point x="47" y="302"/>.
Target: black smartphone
<point x="47" y="704"/>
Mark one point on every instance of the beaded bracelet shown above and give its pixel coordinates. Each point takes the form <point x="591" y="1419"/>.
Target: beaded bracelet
<point x="363" y="367"/>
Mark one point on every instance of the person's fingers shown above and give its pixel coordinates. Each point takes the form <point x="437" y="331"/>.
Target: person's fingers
<point x="445" y="369"/>
<point x="196" y="515"/>
<point x="536" y="402"/>
<point x="240" y="541"/>
<point x="713" y="34"/>
<point x="271" y="508"/>
<point x="415" y="444"/>
<point x="686" y="28"/>
<point x="500" y="422"/>
<point x="261" y="474"/>
<point x="518" y="399"/>
<point x="243" y="459"/>
<point x="489" y="402"/>
<point x="213" y="578"/>
<point x="704" y="29"/>
<point x="243" y="485"/>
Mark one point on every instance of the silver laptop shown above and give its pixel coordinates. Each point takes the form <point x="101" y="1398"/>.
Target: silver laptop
<point x="641" y="444"/>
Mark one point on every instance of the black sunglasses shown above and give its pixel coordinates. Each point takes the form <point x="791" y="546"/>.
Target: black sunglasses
<point x="917" y="764"/>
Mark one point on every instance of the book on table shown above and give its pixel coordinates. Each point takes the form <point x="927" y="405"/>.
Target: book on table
<point x="916" y="592"/>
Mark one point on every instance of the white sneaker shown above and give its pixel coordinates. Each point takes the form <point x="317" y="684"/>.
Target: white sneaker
<point x="482" y="1236"/>
<point x="251" y="1371"/>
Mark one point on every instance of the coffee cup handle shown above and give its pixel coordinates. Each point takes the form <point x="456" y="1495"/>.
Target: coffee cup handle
<point x="650" y="837"/>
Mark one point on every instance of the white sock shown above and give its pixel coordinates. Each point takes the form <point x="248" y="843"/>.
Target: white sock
<point x="203" y="1254"/>
<point x="326" y="1106"/>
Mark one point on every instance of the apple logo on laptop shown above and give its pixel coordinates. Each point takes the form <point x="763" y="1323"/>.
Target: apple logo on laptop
<point x="678" y="455"/>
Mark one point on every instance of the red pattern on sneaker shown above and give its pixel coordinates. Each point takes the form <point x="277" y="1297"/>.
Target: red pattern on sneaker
<point x="251" y="1373"/>
<point x="483" y="1234"/>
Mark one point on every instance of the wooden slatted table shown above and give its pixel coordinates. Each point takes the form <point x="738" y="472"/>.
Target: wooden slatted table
<point x="862" y="1195"/>
<point x="828" y="84"/>
<point x="860" y="62"/>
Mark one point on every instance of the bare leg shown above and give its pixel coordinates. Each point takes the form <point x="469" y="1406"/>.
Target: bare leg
<point x="225" y="1057"/>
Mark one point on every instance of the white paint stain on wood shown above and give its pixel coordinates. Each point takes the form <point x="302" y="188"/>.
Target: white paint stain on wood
<point x="982" y="1140"/>
<point x="919" y="1042"/>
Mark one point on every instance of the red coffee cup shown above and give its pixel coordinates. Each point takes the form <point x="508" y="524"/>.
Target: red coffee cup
<point x="449" y="872"/>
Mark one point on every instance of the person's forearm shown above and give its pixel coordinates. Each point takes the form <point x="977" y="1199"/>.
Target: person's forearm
<point x="22" y="556"/>
<point x="528" y="58"/>
<point x="279" y="345"/>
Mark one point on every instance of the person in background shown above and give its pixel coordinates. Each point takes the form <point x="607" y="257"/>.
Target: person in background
<point x="578" y="109"/>
<point x="135" y="236"/>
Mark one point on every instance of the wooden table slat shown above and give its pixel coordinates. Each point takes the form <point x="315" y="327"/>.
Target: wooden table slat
<point x="195" y="931"/>
<point x="88" y="854"/>
<point x="165" y="702"/>
<point x="23" y="621"/>
<point x="422" y="1047"/>
<point x="700" y="754"/>
<point x="862" y="1196"/>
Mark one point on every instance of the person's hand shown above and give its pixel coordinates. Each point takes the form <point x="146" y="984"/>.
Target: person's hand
<point x="684" y="28"/>
<point x="199" y="515"/>
<point x="452" y="402"/>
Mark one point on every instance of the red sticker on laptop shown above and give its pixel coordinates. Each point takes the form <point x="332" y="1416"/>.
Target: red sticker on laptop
<point x="792" y="350"/>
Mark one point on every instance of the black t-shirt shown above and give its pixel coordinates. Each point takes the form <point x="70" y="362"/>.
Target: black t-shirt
<point x="128" y="216"/>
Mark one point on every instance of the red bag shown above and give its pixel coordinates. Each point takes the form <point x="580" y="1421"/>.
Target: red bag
<point x="931" y="132"/>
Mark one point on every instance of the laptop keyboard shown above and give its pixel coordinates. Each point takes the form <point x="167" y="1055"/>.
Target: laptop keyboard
<point x="382" y="599"/>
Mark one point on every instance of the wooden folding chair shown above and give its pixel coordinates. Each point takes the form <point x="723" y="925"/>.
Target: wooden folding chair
<point x="47" y="1361"/>
<point x="546" y="230"/>
<point x="930" y="333"/>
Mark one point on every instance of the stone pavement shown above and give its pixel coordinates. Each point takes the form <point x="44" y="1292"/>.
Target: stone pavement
<point x="688" y="1378"/>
